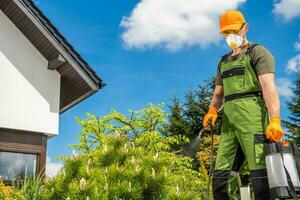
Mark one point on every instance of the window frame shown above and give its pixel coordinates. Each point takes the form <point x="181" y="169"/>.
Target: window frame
<point x="16" y="141"/>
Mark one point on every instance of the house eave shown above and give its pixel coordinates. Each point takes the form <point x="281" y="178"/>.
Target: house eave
<point x="82" y="98"/>
<point x="78" y="79"/>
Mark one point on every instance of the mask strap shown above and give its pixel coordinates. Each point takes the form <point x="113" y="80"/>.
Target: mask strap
<point x="242" y="28"/>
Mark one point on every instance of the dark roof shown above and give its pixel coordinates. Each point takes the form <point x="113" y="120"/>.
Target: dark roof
<point x="78" y="79"/>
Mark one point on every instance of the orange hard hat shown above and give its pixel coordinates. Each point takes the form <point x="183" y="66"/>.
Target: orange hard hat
<point x="231" y="20"/>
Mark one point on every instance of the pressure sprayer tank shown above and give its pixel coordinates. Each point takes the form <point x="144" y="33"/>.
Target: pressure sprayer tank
<point x="277" y="156"/>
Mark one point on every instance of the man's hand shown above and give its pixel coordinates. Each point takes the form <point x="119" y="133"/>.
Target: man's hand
<point x="210" y="117"/>
<point x="274" y="131"/>
<point x="216" y="102"/>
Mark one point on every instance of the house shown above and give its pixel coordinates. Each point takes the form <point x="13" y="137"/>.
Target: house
<point x="41" y="76"/>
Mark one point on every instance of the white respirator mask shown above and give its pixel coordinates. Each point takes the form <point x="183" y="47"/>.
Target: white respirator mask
<point x="234" y="41"/>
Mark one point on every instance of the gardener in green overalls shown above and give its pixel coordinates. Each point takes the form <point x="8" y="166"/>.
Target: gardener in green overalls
<point x="245" y="85"/>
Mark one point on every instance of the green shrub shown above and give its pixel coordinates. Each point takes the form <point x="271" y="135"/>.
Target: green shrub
<point x="126" y="157"/>
<point x="31" y="188"/>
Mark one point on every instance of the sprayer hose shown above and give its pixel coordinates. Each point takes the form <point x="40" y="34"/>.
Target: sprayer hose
<point x="211" y="168"/>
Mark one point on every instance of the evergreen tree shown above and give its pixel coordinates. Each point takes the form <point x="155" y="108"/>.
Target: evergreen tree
<point x="196" y="106"/>
<point x="178" y="124"/>
<point x="187" y="119"/>
<point x="293" y="123"/>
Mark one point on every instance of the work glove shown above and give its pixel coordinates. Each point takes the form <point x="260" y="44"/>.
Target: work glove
<point x="274" y="131"/>
<point x="210" y="118"/>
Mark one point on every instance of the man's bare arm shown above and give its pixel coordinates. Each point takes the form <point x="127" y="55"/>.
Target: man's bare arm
<point x="270" y="93"/>
<point x="218" y="96"/>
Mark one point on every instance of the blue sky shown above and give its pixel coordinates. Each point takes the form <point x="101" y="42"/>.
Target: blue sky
<point x="139" y="67"/>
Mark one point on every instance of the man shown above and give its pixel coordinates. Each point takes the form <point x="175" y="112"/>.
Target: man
<point x="245" y="86"/>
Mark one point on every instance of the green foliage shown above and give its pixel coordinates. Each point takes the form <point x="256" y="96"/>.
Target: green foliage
<point x="293" y="123"/>
<point x="31" y="188"/>
<point x="8" y="192"/>
<point x="126" y="157"/>
<point x="204" y="155"/>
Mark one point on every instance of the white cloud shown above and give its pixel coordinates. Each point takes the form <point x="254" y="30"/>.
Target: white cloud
<point x="52" y="167"/>
<point x="293" y="64"/>
<point x="288" y="9"/>
<point x="284" y="87"/>
<point x="174" y="24"/>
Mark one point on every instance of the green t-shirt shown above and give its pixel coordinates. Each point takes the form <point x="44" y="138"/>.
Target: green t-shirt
<point x="262" y="59"/>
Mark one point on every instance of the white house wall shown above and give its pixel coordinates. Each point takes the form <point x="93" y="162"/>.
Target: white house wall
<point x="29" y="92"/>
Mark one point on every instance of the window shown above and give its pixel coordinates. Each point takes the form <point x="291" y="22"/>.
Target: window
<point x="16" y="166"/>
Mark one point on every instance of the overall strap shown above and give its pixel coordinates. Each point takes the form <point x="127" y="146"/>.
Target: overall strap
<point x="250" y="48"/>
<point x="248" y="52"/>
<point x="242" y="95"/>
<point x="224" y="57"/>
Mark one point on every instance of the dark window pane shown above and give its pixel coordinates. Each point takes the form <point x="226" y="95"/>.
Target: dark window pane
<point x="15" y="166"/>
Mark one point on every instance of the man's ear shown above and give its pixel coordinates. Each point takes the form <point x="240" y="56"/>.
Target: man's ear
<point x="246" y="27"/>
<point x="244" y="30"/>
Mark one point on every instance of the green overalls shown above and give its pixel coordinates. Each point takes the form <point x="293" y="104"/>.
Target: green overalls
<point x="245" y="119"/>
